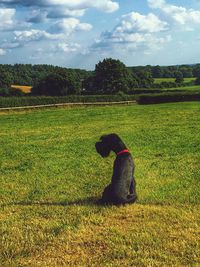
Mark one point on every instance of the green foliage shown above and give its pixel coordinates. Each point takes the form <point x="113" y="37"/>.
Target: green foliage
<point x="168" y="97"/>
<point x="45" y="100"/>
<point x="111" y="76"/>
<point x="179" y="77"/>
<point x="53" y="85"/>
<point x="157" y="72"/>
<point x="196" y="70"/>
<point x="27" y="74"/>
<point x="4" y="92"/>
<point x="197" y="81"/>
<point x="165" y="84"/>
<point x="144" y="79"/>
<point x="8" y="92"/>
<point x="187" y="71"/>
<point x="5" y="79"/>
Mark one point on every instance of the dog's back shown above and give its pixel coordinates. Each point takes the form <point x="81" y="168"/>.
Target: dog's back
<point x="122" y="176"/>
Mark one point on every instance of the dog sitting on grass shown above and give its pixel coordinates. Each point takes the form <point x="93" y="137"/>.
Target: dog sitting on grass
<point x="122" y="188"/>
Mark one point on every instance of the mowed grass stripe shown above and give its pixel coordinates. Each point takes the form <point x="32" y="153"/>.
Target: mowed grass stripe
<point x="51" y="177"/>
<point x="186" y="80"/>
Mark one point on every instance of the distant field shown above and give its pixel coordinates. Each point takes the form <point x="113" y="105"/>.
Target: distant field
<point x="23" y="88"/>
<point x="51" y="176"/>
<point x="159" y="80"/>
<point x="186" y="88"/>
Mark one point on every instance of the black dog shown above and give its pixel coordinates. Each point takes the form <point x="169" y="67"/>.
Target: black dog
<point x="123" y="187"/>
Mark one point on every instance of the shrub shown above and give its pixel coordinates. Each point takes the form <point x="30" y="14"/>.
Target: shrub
<point x="4" y="92"/>
<point x="11" y="92"/>
<point x="45" y="100"/>
<point x="53" y="85"/>
<point x="168" y="97"/>
<point x="197" y="81"/>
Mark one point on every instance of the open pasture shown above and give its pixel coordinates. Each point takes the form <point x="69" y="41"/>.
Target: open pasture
<point x="51" y="177"/>
<point x="160" y="80"/>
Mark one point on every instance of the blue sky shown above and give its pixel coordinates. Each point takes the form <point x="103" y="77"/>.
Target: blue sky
<point x="79" y="33"/>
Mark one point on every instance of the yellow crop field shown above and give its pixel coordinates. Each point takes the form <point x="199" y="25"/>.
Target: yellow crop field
<point x="23" y="88"/>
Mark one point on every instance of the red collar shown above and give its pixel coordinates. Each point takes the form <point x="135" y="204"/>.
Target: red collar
<point x="123" y="151"/>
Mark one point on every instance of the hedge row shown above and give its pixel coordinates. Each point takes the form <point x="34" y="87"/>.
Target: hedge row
<point x="169" y="84"/>
<point x="138" y="91"/>
<point x="45" y="100"/>
<point x="168" y="97"/>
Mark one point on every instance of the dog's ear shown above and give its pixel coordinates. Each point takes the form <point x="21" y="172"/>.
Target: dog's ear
<point x="103" y="137"/>
<point x="102" y="149"/>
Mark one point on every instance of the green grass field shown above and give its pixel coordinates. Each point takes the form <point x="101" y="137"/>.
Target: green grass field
<point x="51" y="176"/>
<point x="186" y="80"/>
<point x="185" y="88"/>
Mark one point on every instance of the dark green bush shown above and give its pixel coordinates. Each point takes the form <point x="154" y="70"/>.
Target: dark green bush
<point x="144" y="91"/>
<point x="45" y="100"/>
<point x="4" y="92"/>
<point x="168" y="97"/>
<point x="11" y="92"/>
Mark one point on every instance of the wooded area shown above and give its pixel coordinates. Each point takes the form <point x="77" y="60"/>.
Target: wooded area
<point x="109" y="77"/>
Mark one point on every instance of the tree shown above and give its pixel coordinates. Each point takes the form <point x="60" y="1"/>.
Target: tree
<point x="157" y="72"/>
<point x="53" y="85"/>
<point x="186" y="71"/>
<point x="112" y="76"/>
<point x="179" y="77"/>
<point x="197" y="81"/>
<point x="196" y="70"/>
<point x="74" y="83"/>
<point x="144" y="79"/>
<point x="5" y="79"/>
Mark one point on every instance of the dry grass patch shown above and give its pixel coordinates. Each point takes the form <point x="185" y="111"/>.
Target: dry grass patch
<point x="132" y="235"/>
<point x="23" y="88"/>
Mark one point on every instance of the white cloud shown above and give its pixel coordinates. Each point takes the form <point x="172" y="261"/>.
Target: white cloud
<point x="156" y="3"/>
<point x="135" y="22"/>
<point x="9" y="45"/>
<point x="103" y="5"/>
<point x="37" y="16"/>
<point x="60" y="30"/>
<point x="65" y="47"/>
<point x="33" y="35"/>
<point x="6" y="18"/>
<point x="2" y="52"/>
<point x="134" y="32"/>
<point x="60" y="12"/>
<point x="179" y="14"/>
<point x="69" y="25"/>
<point x="76" y="8"/>
<point x="8" y="21"/>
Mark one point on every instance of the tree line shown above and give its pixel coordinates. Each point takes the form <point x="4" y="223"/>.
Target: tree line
<point x="110" y="76"/>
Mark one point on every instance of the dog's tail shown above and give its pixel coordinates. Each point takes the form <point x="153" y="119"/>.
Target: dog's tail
<point x="131" y="198"/>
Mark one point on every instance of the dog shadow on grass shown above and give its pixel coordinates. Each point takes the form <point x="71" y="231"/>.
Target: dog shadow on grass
<point x="79" y="202"/>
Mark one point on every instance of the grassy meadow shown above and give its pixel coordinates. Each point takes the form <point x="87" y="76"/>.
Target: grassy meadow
<point x="51" y="177"/>
<point x="186" y="88"/>
<point x="160" y="80"/>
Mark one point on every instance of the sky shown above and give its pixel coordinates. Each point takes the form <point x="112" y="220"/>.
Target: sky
<point x="80" y="33"/>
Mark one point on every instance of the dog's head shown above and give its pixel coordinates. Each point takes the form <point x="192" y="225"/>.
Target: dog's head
<point x="109" y="142"/>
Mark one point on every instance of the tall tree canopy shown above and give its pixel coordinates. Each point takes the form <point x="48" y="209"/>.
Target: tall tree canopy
<point x="111" y="76"/>
<point x="53" y="85"/>
<point x="5" y="79"/>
